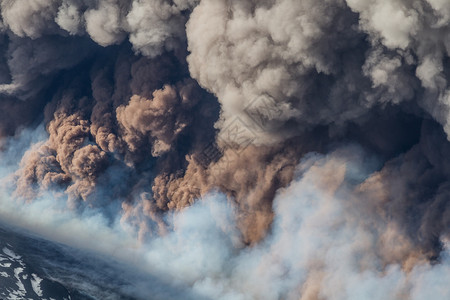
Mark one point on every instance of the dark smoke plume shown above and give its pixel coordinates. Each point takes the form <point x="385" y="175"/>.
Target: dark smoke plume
<point x="305" y="142"/>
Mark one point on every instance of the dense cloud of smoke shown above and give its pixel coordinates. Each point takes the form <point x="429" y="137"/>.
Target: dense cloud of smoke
<point x="327" y="242"/>
<point x="149" y="106"/>
<point x="151" y="28"/>
<point x="299" y="64"/>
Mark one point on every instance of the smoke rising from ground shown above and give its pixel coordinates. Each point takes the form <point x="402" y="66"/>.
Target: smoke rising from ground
<point x="323" y="127"/>
<point x="326" y="242"/>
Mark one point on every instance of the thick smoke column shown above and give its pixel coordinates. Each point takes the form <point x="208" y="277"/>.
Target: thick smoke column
<point x="306" y="142"/>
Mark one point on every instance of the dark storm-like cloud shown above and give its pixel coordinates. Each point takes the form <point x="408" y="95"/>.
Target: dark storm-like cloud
<point x="150" y="106"/>
<point x="318" y="63"/>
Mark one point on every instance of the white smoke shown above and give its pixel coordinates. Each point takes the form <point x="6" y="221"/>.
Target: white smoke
<point x="280" y="69"/>
<point x="322" y="245"/>
<point x="325" y="242"/>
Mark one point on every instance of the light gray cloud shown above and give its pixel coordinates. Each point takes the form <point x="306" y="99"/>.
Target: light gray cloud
<point x="148" y="107"/>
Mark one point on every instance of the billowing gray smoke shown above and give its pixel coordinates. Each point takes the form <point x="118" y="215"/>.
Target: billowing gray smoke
<point x="321" y="126"/>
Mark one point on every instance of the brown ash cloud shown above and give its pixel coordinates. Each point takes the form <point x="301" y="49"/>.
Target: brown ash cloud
<point x="150" y="106"/>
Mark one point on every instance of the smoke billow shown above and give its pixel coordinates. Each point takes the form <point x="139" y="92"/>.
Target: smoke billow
<point x="272" y="149"/>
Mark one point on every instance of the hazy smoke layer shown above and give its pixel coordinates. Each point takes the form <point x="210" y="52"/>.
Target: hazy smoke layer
<point x="323" y="127"/>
